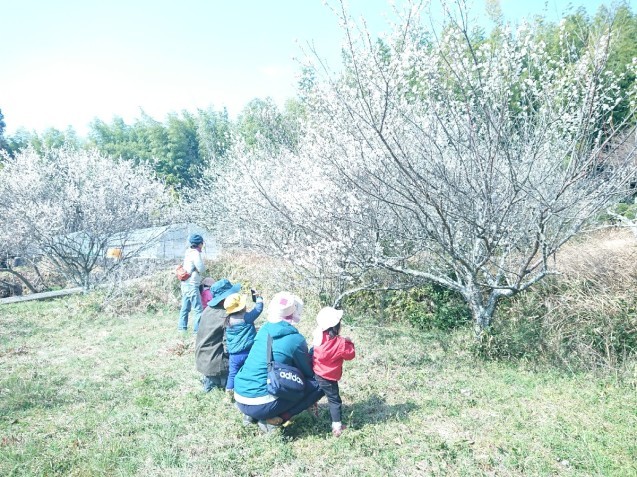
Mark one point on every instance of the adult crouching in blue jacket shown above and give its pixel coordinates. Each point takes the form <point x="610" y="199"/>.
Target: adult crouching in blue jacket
<point x="288" y="347"/>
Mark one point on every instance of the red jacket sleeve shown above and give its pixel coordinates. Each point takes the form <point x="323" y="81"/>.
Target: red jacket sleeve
<point x="348" y="350"/>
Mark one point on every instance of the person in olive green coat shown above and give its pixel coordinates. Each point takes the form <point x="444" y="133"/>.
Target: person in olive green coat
<point x="211" y="355"/>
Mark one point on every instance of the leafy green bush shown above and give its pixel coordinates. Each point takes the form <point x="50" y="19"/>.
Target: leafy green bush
<point x="626" y="210"/>
<point x="425" y="307"/>
<point x="517" y="338"/>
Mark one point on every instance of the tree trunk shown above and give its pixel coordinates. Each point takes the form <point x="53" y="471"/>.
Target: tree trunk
<point x="37" y="272"/>
<point x="481" y="319"/>
<point x="482" y="309"/>
<point x="86" y="280"/>
<point x="21" y="277"/>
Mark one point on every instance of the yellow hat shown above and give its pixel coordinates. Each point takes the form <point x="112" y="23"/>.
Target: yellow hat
<point x="235" y="302"/>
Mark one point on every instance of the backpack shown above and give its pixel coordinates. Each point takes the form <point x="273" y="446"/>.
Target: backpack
<point x="181" y="273"/>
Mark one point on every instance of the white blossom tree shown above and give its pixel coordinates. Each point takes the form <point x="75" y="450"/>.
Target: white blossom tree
<point x="71" y="205"/>
<point x="436" y="157"/>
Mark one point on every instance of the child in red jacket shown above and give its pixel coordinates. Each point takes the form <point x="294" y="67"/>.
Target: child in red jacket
<point x="330" y="350"/>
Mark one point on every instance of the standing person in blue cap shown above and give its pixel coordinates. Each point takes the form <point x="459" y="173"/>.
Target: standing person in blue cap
<point x="211" y="354"/>
<point x="190" y="296"/>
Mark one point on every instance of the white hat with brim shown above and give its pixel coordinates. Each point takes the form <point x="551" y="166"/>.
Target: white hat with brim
<point x="283" y="306"/>
<point x="328" y="317"/>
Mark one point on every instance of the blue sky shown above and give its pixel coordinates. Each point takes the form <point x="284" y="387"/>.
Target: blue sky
<point x="65" y="63"/>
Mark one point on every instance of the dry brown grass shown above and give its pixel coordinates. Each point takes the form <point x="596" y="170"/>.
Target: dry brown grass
<point x="605" y="260"/>
<point x="583" y="319"/>
<point x="160" y="289"/>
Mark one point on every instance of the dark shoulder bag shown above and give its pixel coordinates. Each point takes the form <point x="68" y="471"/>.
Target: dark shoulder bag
<point x="284" y="381"/>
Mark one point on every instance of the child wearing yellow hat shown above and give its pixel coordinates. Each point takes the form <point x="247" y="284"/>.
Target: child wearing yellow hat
<point x="240" y="332"/>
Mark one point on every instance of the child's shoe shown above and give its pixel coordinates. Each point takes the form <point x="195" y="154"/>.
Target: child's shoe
<point x="336" y="432"/>
<point x="274" y="421"/>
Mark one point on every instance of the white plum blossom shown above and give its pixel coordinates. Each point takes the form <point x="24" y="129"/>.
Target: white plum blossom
<point x="467" y="165"/>
<point x="70" y="205"/>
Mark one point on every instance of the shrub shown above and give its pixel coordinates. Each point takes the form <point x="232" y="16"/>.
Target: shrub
<point x="584" y="319"/>
<point x="517" y="332"/>
<point x="148" y="294"/>
<point x="425" y="307"/>
<point x="577" y="330"/>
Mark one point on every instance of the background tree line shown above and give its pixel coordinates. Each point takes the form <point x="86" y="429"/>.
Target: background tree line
<point x="183" y="145"/>
<point x="178" y="149"/>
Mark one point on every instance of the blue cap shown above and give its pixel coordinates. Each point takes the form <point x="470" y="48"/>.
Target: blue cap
<point x="195" y="239"/>
<point x="221" y="290"/>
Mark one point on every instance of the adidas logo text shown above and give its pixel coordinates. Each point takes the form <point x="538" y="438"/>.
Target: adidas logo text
<point x="290" y="376"/>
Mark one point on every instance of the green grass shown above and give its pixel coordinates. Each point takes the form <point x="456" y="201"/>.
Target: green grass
<point x="87" y="394"/>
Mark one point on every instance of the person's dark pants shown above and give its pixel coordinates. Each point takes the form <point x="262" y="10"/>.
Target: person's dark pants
<point x="210" y="382"/>
<point x="281" y="407"/>
<point x="330" y="388"/>
<point x="235" y="363"/>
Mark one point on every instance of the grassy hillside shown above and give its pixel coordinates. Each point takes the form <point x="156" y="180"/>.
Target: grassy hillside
<point x="84" y="393"/>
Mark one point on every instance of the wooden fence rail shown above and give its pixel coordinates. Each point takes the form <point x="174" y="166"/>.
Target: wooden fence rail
<point x="41" y="296"/>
